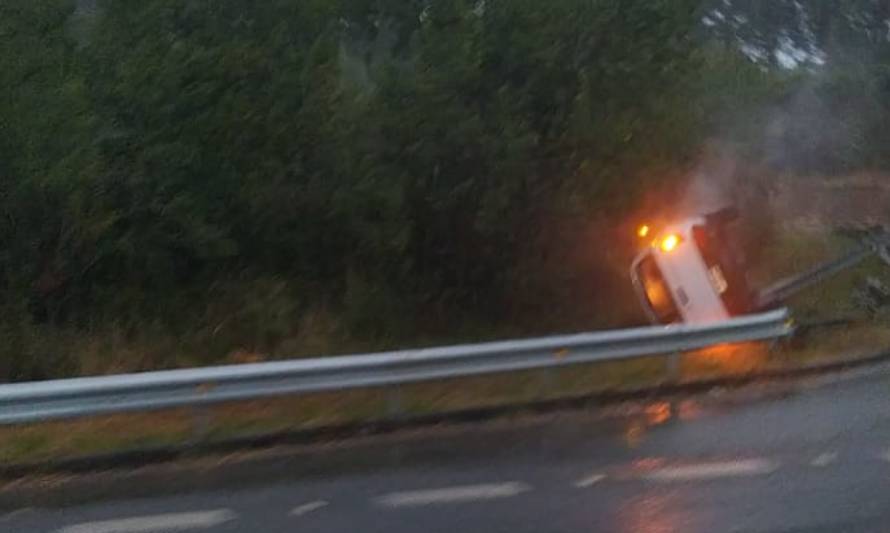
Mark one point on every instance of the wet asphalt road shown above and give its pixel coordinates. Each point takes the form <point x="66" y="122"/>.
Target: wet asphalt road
<point x="816" y="459"/>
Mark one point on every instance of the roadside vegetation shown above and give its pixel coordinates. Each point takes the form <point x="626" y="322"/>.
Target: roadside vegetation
<point x="197" y="182"/>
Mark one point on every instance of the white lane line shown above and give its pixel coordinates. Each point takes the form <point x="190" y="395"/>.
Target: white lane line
<point x="167" y="523"/>
<point x="307" y="508"/>
<point x="453" y="494"/>
<point x="824" y="459"/>
<point x="589" y="481"/>
<point x="704" y="471"/>
<point x="885" y="455"/>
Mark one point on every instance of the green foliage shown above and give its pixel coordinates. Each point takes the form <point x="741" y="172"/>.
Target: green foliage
<point x="211" y="173"/>
<point x="50" y="197"/>
<point x="828" y="61"/>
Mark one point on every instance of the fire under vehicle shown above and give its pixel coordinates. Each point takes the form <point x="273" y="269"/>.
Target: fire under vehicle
<point x="693" y="272"/>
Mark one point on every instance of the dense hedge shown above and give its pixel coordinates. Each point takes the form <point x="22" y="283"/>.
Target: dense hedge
<point x="204" y="176"/>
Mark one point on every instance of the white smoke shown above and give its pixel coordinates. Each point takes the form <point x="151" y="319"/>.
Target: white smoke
<point x="712" y="183"/>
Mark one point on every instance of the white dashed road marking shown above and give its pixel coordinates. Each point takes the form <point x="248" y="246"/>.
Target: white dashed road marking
<point x="453" y="494"/>
<point x="703" y="471"/>
<point x="152" y="524"/>
<point x="307" y="508"/>
<point x="589" y="481"/>
<point x="824" y="459"/>
<point x="886" y="455"/>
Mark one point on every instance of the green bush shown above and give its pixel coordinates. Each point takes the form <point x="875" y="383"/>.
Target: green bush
<point x="182" y="181"/>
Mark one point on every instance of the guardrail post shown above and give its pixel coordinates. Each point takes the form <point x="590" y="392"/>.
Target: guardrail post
<point x="675" y="375"/>
<point x="674" y="367"/>
<point x="200" y="423"/>
<point x="549" y="381"/>
<point x="201" y="416"/>
<point x="394" y="401"/>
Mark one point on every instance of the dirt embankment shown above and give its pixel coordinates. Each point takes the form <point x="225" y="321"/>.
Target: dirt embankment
<point x="819" y="203"/>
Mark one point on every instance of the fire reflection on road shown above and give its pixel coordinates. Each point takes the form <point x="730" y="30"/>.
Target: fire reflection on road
<point x="661" y="511"/>
<point x="656" y="414"/>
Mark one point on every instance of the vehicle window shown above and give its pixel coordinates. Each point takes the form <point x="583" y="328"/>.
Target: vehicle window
<point x="657" y="293"/>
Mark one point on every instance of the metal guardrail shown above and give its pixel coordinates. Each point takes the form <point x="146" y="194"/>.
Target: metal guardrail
<point x="70" y="398"/>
